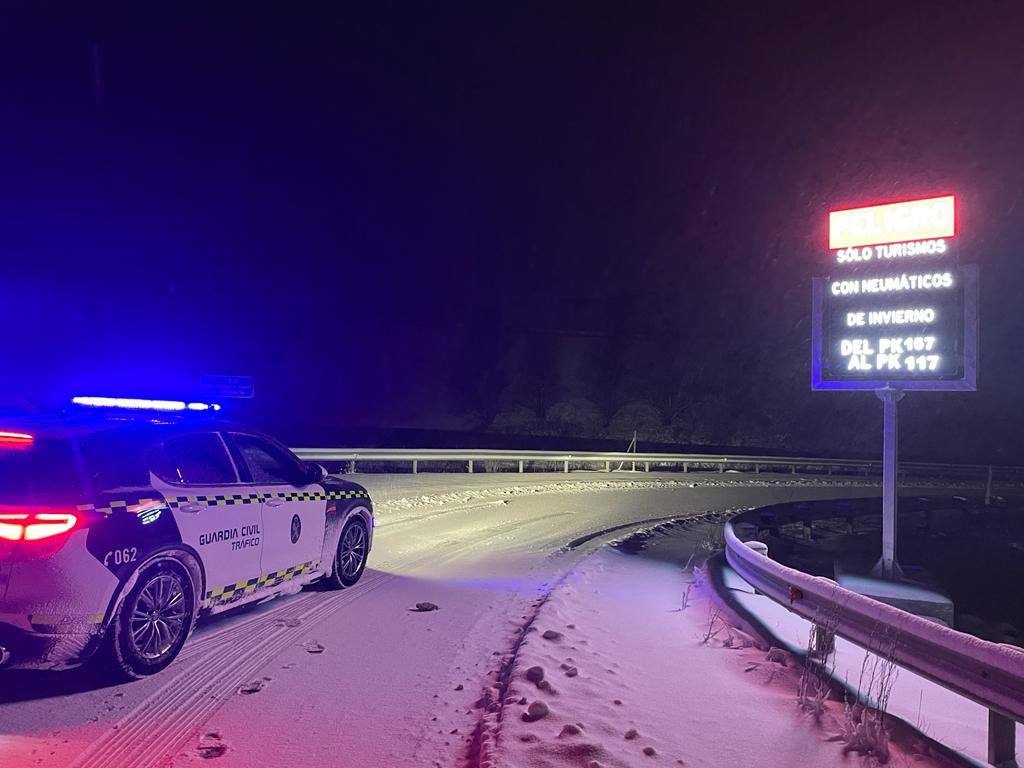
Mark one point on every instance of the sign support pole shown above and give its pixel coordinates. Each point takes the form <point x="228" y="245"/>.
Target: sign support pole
<point x="887" y="567"/>
<point x="894" y="326"/>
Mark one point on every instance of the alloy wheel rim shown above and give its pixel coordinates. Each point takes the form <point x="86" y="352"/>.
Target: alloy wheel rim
<point x="353" y="551"/>
<point x="158" y="616"/>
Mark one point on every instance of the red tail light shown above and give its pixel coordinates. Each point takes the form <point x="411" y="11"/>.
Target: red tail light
<point x="42" y="532"/>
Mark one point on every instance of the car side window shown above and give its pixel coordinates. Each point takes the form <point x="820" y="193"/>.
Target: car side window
<point x="198" y="459"/>
<point x="269" y="464"/>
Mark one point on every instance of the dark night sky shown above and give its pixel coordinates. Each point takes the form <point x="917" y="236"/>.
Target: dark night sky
<point x="548" y="218"/>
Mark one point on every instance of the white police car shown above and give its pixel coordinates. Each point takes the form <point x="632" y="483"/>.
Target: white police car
<point x="119" y="528"/>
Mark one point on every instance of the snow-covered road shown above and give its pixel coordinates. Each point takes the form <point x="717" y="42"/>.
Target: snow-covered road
<point x="356" y="678"/>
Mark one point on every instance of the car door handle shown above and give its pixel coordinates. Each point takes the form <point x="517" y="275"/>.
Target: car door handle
<point x="191" y="507"/>
<point x="273" y="502"/>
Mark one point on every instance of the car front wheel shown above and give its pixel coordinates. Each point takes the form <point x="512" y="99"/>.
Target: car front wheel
<point x="350" y="559"/>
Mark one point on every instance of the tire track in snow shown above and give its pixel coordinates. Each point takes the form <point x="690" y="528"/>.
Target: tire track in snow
<point x="288" y="608"/>
<point x="160" y="726"/>
<point x="156" y="731"/>
<point x="215" y="672"/>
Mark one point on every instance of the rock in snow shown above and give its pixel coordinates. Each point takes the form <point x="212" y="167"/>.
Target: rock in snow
<point x="550" y="634"/>
<point x="535" y="674"/>
<point x="253" y="686"/>
<point x="535" y="711"/>
<point x="426" y="606"/>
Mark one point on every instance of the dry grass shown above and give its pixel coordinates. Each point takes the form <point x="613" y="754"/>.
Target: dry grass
<point x="864" y="726"/>
<point x="816" y="677"/>
<point x="714" y="626"/>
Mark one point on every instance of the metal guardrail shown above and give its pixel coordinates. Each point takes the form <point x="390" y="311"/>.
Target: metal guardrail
<point x="532" y="459"/>
<point x="989" y="674"/>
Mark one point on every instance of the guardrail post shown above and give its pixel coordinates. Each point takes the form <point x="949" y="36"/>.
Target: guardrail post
<point x="721" y="468"/>
<point x="1002" y="731"/>
<point x="607" y="466"/>
<point x="471" y="466"/>
<point x="757" y="469"/>
<point x="415" y="466"/>
<point x="686" y="467"/>
<point x="520" y="466"/>
<point x="647" y="466"/>
<point x="988" y="487"/>
<point x="565" y="467"/>
<point x="792" y="469"/>
<point x="352" y="467"/>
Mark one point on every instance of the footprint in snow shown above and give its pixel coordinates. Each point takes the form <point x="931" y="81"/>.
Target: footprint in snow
<point x="313" y="647"/>
<point x="211" y="746"/>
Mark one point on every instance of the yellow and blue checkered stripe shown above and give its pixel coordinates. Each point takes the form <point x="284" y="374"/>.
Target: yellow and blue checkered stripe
<point x="118" y="505"/>
<point x="219" y="500"/>
<point x="225" y="500"/>
<point x="232" y="592"/>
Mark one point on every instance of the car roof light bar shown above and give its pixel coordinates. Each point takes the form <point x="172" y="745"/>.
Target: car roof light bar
<point x="138" y="403"/>
<point x="15" y="439"/>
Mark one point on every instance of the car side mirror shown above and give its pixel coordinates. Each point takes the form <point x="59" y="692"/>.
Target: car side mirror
<point x="314" y="472"/>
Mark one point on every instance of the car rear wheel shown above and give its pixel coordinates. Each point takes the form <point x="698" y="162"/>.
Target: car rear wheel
<point x="350" y="559"/>
<point x="152" y="622"/>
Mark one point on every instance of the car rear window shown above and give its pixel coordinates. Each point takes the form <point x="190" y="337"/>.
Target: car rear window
<point x="196" y="459"/>
<point x="50" y="469"/>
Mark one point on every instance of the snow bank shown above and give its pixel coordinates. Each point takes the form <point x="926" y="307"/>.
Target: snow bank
<point x="391" y="505"/>
<point x="614" y="672"/>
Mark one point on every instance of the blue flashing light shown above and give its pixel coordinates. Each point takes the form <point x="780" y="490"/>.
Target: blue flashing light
<point x="138" y="403"/>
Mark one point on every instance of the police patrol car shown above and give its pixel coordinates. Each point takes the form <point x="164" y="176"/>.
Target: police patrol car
<point x="120" y="526"/>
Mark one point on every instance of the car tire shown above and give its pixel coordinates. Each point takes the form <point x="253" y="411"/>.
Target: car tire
<point x="350" y="556"/>
<point x="151" y="623"/>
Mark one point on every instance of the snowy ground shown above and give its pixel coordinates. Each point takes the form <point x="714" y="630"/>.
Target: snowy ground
<point x="632" y="677"/>
<point x="356" y="678"/>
